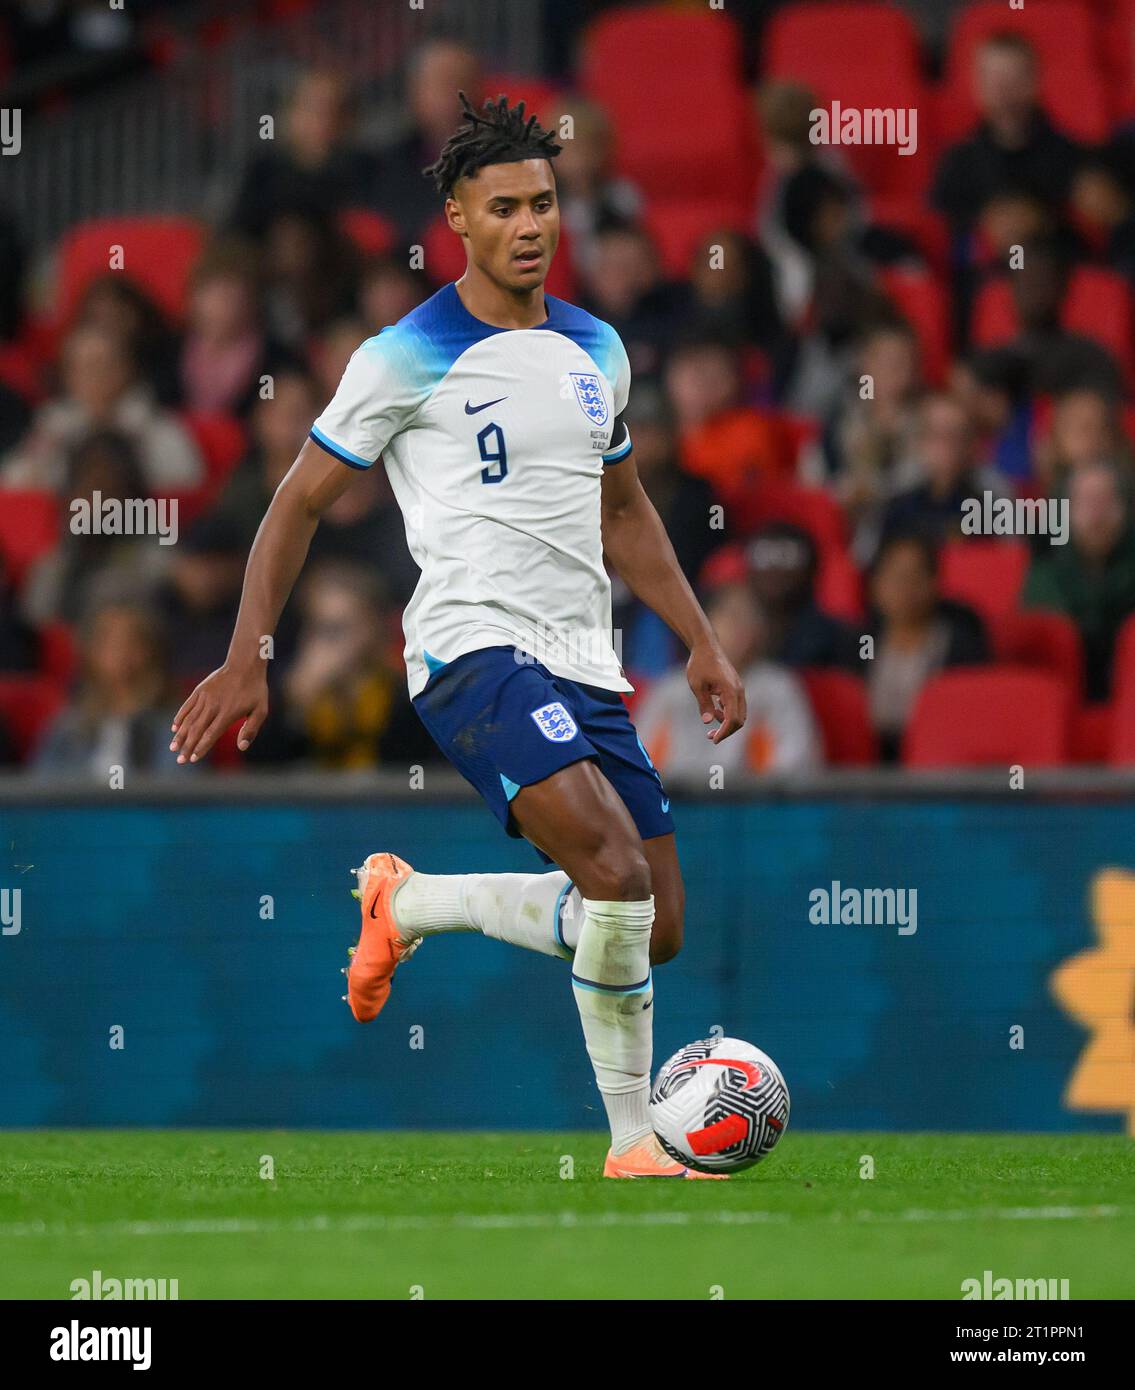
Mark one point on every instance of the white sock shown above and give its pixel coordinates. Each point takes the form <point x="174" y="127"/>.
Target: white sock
<point x="540" y="912"/>
<point x="614" y="994"/>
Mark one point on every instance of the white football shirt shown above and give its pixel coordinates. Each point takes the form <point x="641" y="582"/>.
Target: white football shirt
<point x="495" y="441"/>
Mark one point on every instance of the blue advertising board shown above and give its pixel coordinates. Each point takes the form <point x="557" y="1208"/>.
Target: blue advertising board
<point x="178" y="964"/>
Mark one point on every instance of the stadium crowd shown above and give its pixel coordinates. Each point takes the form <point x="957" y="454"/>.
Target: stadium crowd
<point x="836" y="351"/>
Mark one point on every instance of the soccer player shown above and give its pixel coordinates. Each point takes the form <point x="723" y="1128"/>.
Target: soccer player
<point x="497" y="411"/>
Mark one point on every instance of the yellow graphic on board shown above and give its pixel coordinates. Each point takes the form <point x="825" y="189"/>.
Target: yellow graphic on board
<point x="1097" y="989"/>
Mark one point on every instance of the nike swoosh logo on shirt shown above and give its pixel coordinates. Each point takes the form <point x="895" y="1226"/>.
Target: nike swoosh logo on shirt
<point x="473" y="409"/>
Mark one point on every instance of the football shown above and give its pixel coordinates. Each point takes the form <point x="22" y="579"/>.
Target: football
<point x="719" y="1105"/>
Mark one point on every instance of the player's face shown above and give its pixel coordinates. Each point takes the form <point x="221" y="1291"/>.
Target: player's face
<point x="511" y="219"/>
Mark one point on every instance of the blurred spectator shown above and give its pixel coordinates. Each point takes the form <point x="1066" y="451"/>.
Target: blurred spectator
<point x="12" y="266"/>
<point x="365" y="527"/>
<point x="101" y="390"/>
<point x="199" y="597"/>
<point x="783" y="564"/>
<point x="227" y="350"/>
<point x="19" y="650"/>
<point x="624" y="285"/>
<point x="1015" y="147"/>
<point x="945" y="450"/>
<point x="122" y="709"/>
<point x="722" y="440"/>
<point x="313" y="170"/>
<point x="1092" y="578"/>
<point x="869" y="444"/>
<point x="342" y="703"/>
<point x="683" y="502"/>
<point x="732" y="298"/>
<point x="780" y="732"/>
<point x="388" y="290"/>
<point x="439" y="69"/>
<point x="784" y="111"/>
<point x="993" y="388"/>
<point x="334" y="350"/>
<point x="14" y="418"/>
<point x="592" y="197"/>
<point x="1056" y="358"/>
<point x="310" y="277"/>
<point x="1104" y="213"/>
<point x="917" y="634"/>
<point x="102" y="468"/>
<point x="118" y="304"/>
<point x="1086" y="429"/>
<point x="279" y="427"/>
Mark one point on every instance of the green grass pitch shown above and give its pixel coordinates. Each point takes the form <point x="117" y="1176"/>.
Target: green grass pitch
<point x="444" y="1215"/>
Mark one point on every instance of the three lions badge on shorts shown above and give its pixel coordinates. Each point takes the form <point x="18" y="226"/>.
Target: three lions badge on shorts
<point x="555" y="723"/>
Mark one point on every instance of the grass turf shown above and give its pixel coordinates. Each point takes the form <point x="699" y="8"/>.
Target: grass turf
<point x="380" y="1215"/>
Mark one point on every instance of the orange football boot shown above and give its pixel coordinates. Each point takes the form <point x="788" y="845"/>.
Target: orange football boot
<point x="649" y="1160"/>
<point x="380" y="946"/>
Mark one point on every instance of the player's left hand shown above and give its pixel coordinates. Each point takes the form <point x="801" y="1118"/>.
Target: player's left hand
<point x="718" y="690"/>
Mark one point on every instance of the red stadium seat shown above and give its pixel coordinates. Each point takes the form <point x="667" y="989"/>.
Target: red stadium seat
<point x="29" y="528"/>
<point x="222" y="442"/>
<point x="864" y="55"/>
<point x="839" y="585"/>
<point x="1119" y="58"/>
<point x="987" y="574"/>
<point x="58" y="655"/>
<point x="20" y="371"/>
<point x="369" y="232"/>
<point x="922" y="301"/>
<point x="27" y="705"/>
<point x="1041" y="641"/>
<point x="158" y="252"/>
<point x="1063" y="32"/>
<point x="1122" y="749"/>
<point x="812" y="509"/>
<point x="819" y="43"/>
<point x="999" y="716"/>
<point x="678" y="227"/>
<point x="839" y="702"/>
<point x="1098" y="306"/>
<point x="651" y="59"/>
<point x="1092" y="733"/>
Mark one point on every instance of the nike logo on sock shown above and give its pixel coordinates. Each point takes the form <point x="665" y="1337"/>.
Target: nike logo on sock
<point x="474" y="409"/>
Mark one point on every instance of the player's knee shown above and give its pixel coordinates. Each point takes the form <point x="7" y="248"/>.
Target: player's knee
<point x="620" y="875"/>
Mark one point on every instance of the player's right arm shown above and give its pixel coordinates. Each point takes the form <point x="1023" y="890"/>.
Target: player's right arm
<point x="239" y="688"/>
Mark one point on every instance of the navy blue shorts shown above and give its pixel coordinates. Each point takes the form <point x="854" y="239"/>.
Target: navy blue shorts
<point x="505" y="724"/>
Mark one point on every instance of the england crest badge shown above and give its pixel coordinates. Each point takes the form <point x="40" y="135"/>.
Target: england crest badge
<point x="555" y="723"/>
<point x="589" y="393"/>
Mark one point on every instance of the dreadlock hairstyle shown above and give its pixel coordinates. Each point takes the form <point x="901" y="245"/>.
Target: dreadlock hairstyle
<point x="501" y="135"/>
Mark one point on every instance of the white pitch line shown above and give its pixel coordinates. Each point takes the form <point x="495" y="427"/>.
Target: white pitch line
<point x="528" y="1221"/>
